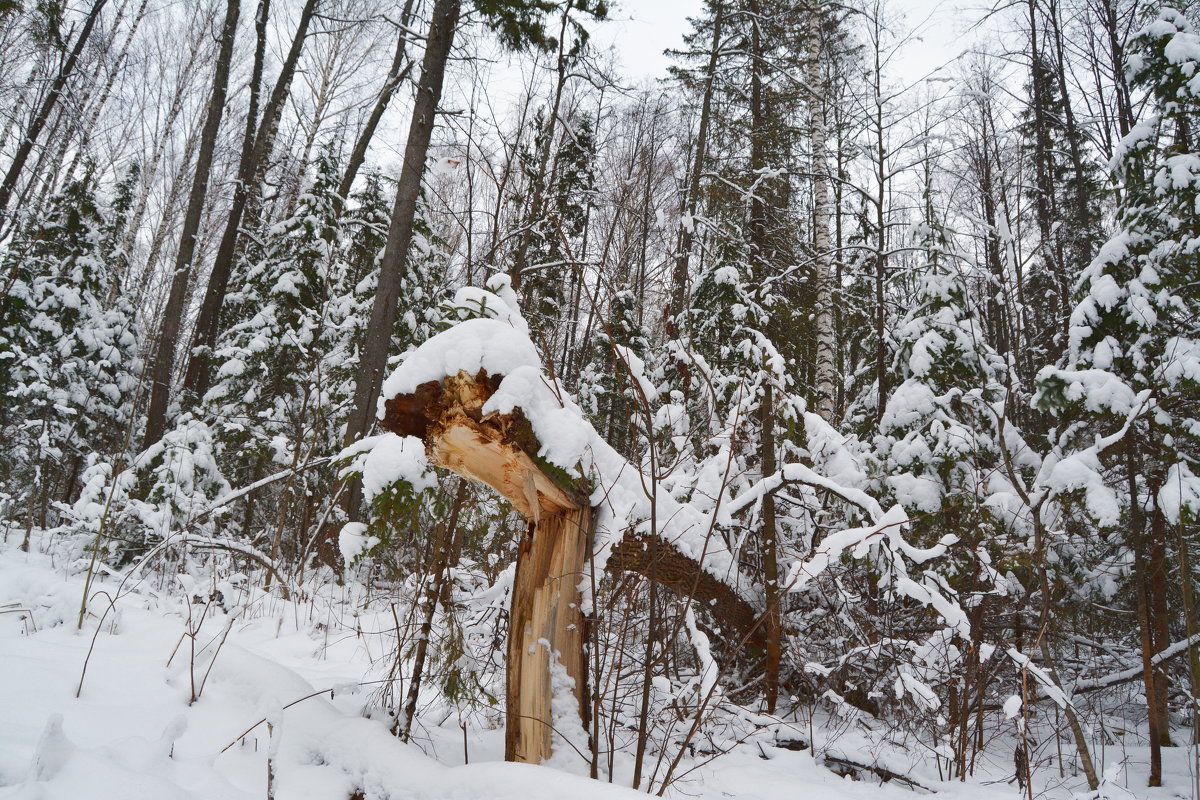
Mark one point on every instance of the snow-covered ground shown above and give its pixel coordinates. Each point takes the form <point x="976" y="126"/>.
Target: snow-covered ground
<point x="280" y="686"/>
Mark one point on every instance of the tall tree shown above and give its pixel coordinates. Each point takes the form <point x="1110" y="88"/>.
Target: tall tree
<point x="396" y="73"/>
<point x="251" y="170"/>
<point x="162" y="361"/>
<point x="30" y="136"/>
<point x="1130" y="390"/>
<point x="824" y="389"/>
<point x="438" y="41"/>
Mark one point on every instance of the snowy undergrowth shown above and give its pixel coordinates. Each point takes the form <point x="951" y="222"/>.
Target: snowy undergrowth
<point x="292" y="680"/>
<point x="307" y="668"/>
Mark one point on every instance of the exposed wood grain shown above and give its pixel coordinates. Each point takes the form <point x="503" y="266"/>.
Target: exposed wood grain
<point x="545" y="619"/>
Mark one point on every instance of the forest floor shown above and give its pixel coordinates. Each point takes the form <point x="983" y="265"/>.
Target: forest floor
<point x="132" y="733"/>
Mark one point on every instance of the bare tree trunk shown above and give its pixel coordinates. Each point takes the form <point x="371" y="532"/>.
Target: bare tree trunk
<point x="1159" y="613"/>
<point x="391" y="268"/>
<point x="680" y="275"/>
<point x="1189" y="619"/>
<point x="643" y="737"/>
<point x="17" y="166"/>
<point x="534" y="208"/>
<point x="439" y="567"/>
<point x="1081" y="745"/>
<point x="1141" y="577"/>
<point x="150" y="171"/>
<point x="163" y="360"/>
<point x="762" y="256"/>
<point x="770" y="549"/>
<point x="98" y="106"/>
<point x="395" y="77"/>
<point x="881" y="348"/>
<point x="250" y="172"/>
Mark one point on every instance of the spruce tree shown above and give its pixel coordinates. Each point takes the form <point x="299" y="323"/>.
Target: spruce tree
<point x="1129" y="393"/>
<point x="271" y="401"/>
<point x="69" y="365"/>
<point x="557" y="199"/>
<point x="938" y="439"/>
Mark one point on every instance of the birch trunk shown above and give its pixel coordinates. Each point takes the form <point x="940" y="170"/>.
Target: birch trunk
<point x="826" y="368"/>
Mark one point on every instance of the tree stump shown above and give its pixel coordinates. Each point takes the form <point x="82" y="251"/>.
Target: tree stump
<point x="546" y="676"/>
<point x="546" y="681"/>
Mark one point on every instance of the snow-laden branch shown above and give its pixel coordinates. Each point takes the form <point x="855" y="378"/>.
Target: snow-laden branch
<point x="800" y="473"/>
<point x="484" y="378"/>
<point x="240" y="548"/>
<point x="1114" y="678"/>
<point x="1053" y="690"/>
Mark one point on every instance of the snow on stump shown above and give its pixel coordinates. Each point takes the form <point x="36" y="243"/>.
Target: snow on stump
<point x="546" y="623"/>
<point x="476" y="397"/>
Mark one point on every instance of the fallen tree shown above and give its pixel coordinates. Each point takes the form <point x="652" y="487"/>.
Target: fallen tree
<point x="547" y="618"/>
<point x="474" y="400"/>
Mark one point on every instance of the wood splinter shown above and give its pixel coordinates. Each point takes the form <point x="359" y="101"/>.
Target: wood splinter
<point x="546" y="618"/>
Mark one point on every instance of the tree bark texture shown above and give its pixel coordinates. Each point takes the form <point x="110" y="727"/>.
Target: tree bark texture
<point x="826" y="371"/>
<point x="681" y="272"/>
<point x="168" y="333"/>
<point x="373" y="360"/>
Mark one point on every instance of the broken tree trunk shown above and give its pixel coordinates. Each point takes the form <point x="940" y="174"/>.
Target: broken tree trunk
<point x="546" y="625"/>
<point x="546" y="622"/>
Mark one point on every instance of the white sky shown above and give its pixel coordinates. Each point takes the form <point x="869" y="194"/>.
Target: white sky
<point x="640" y="30"/>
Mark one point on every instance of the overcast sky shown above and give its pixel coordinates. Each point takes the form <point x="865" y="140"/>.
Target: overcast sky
<point x="641" y="29"/>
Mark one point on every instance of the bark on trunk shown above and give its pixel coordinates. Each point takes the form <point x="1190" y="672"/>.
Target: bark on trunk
<point x="435" y="593"/>
<point x="250" y="174"/>
<point x="537" y="196"/>
<point x="763" y="255"/>
<point x="826" y="352"/>
<point x="373" y="360"/>
<point x="168" y="333"/>
<point x="395" y="77"/>
<point x="681" y="272"/>
<point x="391" y="268"/>
<point x="1141" y="577"/>
<point x="1160" y="616"/>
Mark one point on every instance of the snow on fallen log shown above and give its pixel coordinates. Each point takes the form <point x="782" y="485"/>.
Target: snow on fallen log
<point x="1122" y="676"/>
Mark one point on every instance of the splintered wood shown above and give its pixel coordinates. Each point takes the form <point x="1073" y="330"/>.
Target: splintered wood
<point x="546" y="621"/>
<point x="546" y="624"/>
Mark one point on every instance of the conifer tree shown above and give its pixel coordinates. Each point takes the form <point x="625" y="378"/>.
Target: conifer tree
<point x="69" y="368"/>
<point x="271" y="402"/>
<point x="1066" y="196"/>
<point x="616" y="387"/>
<point x="562" y="191"/>
<point x="938" y="439"/>
<point x="1129" y="393"/>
